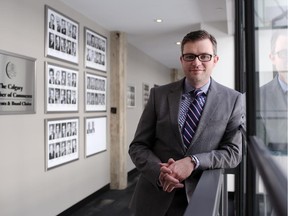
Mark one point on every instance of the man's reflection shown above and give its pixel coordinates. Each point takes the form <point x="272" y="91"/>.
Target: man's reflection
<point x="273" y="98"/>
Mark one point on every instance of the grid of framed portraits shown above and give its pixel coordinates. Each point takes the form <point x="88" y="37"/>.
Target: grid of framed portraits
<point x="131" y="96"/>
<point x="145" y="92"/>
<point x="95" y="92"/>
<point x="61" y="36"/>
<point x="95" y="139"/>
<point x="95" y="50"/>
<point x="61" y="88"/>
<point x="62" y="141"/>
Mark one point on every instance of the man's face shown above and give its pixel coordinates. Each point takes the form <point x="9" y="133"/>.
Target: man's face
<point x="279" y="58"/>
<point x="198" y="73"/>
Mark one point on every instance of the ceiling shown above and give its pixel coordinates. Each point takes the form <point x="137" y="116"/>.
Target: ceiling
<point x="158" y="40"/>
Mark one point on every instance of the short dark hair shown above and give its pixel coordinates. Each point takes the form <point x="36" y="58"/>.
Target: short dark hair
<point x="199" y="35"/>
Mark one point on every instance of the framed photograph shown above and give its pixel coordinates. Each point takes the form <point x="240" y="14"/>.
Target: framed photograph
<point x="131" y="96"/>
<point x="62" y="141"/>
<point x="61" y="88"/>
<point x="95" y="92"/>
<point x="95" y="50"/>
<point x="95" y="139"/>
<point x="145" y="92"/>
<point x="61" y="36"/>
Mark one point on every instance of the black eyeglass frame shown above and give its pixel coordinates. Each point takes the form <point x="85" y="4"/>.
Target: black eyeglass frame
<point x="197" y="56"/>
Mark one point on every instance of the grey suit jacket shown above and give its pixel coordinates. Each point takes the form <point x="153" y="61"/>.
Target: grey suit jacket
<point x="216" y="143"/>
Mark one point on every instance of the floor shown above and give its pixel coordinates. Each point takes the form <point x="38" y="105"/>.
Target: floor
<point x="110" y="203"/>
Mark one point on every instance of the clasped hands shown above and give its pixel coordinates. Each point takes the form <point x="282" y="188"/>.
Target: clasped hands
<point x="173" y="173"/>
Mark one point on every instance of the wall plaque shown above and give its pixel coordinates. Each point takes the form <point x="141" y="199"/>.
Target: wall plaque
<point x="17" y="84"/>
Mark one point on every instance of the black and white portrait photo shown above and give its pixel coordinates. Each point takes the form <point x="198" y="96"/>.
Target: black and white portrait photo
<point x="95" y="92"/>
<point x="62" y="141"/>
<point x="61" y="36"/>
<point x="61" y="88"/>
<point x="95" y="50"/>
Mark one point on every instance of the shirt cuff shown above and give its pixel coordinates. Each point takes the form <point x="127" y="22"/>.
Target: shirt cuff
<point x="195" y="160"/>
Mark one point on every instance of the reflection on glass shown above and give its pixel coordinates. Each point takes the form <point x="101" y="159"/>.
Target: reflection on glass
<point x="272" y="67"/>
<point x="273" y="101"/>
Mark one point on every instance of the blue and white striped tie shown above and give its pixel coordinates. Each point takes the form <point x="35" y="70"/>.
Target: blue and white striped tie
<point x="193" y="117"/>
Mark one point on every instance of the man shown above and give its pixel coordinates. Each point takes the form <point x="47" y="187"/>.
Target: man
<point x="51" y="40"/>
<point x="58" y="78"/>
<point x="63" y="96"/>
<point x="51" y="99"/>
<point x="51" y="22"/>
<point x="74" y="81"/>
<point x="73" y="97"/>
<point x="57" y="45"/>
<point x="273" y="125"/>
<point x="57" y="152"/>
<point x="51" y="76"/>
<point x="63" y="148"/>
<point x="51" y="133"/>
<point x="169" y="168"/>
<point x="51" y="152"/>
<point x="63" y="130"/>
<point x="63" y="26"/>
<point x="57" y="96"/>
<point x="69" y="79"/>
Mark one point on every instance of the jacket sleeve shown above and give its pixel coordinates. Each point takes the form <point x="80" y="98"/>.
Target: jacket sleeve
<point x="229" y="152"/>
<point x="140" y="149"/>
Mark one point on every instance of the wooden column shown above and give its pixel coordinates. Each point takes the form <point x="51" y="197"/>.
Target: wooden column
<point x="118" y="145"/>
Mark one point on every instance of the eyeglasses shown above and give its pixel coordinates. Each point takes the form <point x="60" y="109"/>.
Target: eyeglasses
<point x="202" y="57"/>
<point x="283" y="54"/>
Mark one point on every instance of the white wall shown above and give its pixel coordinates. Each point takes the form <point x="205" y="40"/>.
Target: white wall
<point x="26" y="188"/>
<point x="141" y="69"/>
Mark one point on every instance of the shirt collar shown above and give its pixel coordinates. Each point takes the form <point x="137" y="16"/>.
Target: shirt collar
<point x="188" y="87"/>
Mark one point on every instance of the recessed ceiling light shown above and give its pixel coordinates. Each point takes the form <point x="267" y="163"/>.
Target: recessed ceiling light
<point x="178" y="43"/>
<point x="158" y="20"/>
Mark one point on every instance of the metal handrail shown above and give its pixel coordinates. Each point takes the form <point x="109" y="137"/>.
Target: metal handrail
<point x="207" y="195"/>
<point x="274" y="180"/>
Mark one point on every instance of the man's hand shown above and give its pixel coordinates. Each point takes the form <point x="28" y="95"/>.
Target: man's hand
<point x="174" y="172"/>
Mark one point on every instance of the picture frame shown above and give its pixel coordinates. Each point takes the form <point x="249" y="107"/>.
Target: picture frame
<point x="145" y="93"/>
<point x="61" y="141"/>
<point x="95" y="53"/>
<point x="61" y="36"/>
<point x="95" y="92"/>
<point x="131" y="96"/>
<point x="61" y="88"/>
<point x="95" y="135"/>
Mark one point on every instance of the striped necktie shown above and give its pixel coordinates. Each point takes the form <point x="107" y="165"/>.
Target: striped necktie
<point x="193" y="117"/>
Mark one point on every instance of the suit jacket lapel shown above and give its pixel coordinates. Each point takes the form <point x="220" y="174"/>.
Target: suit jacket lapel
<point x="174" y="103"/>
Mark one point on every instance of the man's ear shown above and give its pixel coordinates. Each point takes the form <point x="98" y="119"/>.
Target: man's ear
<point x="272" y="57"/>
<point x="216" y="59"/>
